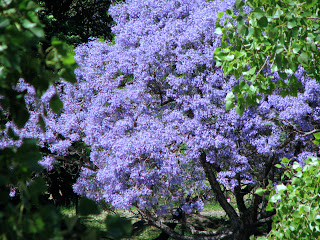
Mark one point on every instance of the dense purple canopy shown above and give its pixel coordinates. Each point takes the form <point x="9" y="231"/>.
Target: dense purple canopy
<point x="148" y="105"/>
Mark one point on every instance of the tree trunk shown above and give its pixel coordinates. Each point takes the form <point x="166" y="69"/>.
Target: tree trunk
<point x="215" y="186"/>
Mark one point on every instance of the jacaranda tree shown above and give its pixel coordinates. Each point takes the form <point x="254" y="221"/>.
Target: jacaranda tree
<point x="148" y="122"/>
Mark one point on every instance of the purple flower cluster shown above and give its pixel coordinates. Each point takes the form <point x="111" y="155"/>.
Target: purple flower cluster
<point x="150" y="103"/>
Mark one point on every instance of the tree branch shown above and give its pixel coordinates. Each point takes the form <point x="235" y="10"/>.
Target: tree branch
<point x="175" y="235"/>
<point x="215" y="186"/>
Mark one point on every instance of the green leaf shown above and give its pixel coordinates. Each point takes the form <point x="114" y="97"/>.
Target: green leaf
<point x="28" y="154"/>
<point x="37" y="31"/>
<point x="218" y="30"/>
<point x="258" y="13"/>
<point x="56" y="104"/>
<point x="260" y="191"/>
<point x="317" y="135"/>
<point x="32" y="6"/>
<point x="42" y="123"/>
<point x="68" y="60"/>
<point x="310" y="37"/>
<point x="3" y="47"/>
<point x="278" y="166"/>
<point x="67" y="75"/>
<point x="279" y="49"/>
<point x="239" y="4"/>
<point x="316" y="142"/>
<point x="296" y="166"/>
<point x="20" y="115"/>
<point x="281" y="187"/>
<point x="27" y="24"/>
<point x="306" y="14"/>
<point x="245" y="87"/>
<point x="283" y="75"/>
<point x="274" y="68"/>
<point x="71" y="222"/>
<point x="239" y="110"/>
<point x="12" y="134"/>
<point x="242" y="28"/>
<point x="296" y="48"/>
<point x="229" y="57"/>
<point x="269" y="208"/>
<point x="251" y="71"/>
<point x="88" y="207"/>
<point x="220" y="14"/>
<point x="296" y="181"/>
<point x="37" y="187"/>
<point x="278" y="13"/>
<point x="263" y="22"/>
<point x="303" y="58"/>
<point x="284" y="93"/>
<point x="4" y="22"/>
<point x="118" y="227"/>
<point x="229" y="11"/>
<point x="285" y="160"/>
<point x="250" y="32"/>
<point x="230" y="97"/>
<point x="292" y="24"/>
<point x="229" y="105"/>
<point x="275" y="198"/>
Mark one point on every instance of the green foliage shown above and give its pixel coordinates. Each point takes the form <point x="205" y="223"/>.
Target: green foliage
<point x="23" y="216"/>
<point x="23" y="56"/>
<point x="118" y="227"/>
<point x="279" y="34"/>
<point x="25" y="210"/>
<point x="296" y="201"/>
<point x="88" y="207"/>
<point x="56" y="104"/>
<point x="74" y="21"/>
<point x="29" y="214"/>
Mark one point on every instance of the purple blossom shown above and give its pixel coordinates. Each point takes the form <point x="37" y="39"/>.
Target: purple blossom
<point x="148" y="105"/>
<point x="12" y="192"/>
<point x="47" y="162"/>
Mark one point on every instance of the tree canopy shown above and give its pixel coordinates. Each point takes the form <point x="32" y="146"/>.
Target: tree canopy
<point x="268" y="37"/>
<point x="76" y="21"/>
<point x="147" y="116"/>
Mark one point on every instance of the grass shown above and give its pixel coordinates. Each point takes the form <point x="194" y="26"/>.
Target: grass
<point x="147" y="234"/>
<point x="211" y="217"/>
<point x="212" y="206"/>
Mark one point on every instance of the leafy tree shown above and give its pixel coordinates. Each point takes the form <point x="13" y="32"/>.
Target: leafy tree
<point x="76" y="21"/>
<point x="263" y="45"/>
<point x="21" y="56"/>
<point x="25" y="211"/>
<point x="296" y="201"/>
<point x="147" y="118"/>
<point x="264" y="49"/>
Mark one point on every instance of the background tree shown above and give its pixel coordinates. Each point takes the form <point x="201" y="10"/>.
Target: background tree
<point x="76" y="21"/>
